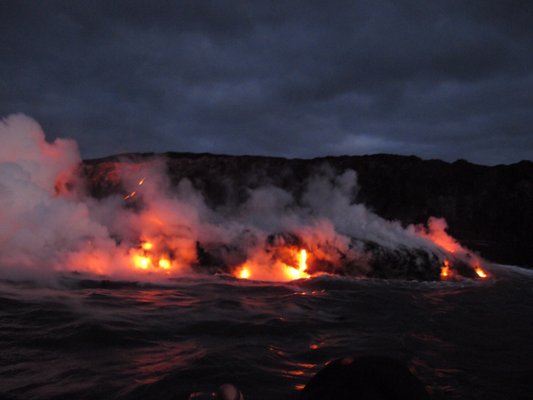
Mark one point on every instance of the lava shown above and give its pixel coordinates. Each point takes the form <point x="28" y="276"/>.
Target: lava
<point x="134" y="193"/>
<point x="165" y="264"/>
<point x="277" y="269"/>
<point x="129" y="196"/>
<point x="148" y="258"/>
<point x="482" y="274"/>
<point x="65" y="216"/>
<point x="445" y="270"/>
<point x="244" y="273"/>
<point x="147" y="246"/>
<point x="436" y="233"/>
<point x="293" y="273"/>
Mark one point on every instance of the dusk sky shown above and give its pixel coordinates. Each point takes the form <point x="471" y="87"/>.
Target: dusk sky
<point x="437" y="79"/>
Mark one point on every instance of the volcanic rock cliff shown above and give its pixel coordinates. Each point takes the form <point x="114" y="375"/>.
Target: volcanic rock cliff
<point x="488" y="209"/>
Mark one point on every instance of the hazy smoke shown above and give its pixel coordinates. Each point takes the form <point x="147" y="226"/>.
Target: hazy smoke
<point x="45" y="225"/>
<point x="39" y="229"/>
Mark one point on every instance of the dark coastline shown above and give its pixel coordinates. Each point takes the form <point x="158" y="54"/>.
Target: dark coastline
<point x="488" y="208"/>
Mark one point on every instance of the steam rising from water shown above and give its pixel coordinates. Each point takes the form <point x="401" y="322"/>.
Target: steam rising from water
<point x="48" y="221"/>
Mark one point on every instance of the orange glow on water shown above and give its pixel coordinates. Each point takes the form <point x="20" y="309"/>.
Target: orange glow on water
<point x="480" y="272"/>
<point x="293" y="273"/>
<point x="296" y="372"/>
<point x="298" y="273"/>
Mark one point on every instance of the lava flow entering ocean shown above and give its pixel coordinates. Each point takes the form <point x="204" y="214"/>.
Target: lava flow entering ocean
<point x="126" y="219"/>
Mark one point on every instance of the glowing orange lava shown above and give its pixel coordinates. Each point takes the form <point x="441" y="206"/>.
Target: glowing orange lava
<point x="146" y="257"/>
<point x="436" y="232"/>
<point x="276" y="269"/>
<point x="480" y="273"/>
<point x="244" y="273"/>
<point x="302" y="260"/>
<point x="129" y="196"/>
<point x="147" y="246"/>
<point x="141" y="262"/>
<point x="134" y="193"/>
<point x="293" y="273"/>
<point x="445" y="270"/>
<point x="164" y="263"/>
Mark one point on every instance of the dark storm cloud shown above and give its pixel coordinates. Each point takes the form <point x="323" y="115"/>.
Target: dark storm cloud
<point x="446" y="79"/>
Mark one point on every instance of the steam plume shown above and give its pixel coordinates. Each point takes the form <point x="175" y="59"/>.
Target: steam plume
<point x="50" y="222"/>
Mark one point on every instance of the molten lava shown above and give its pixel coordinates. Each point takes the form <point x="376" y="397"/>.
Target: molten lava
<point x="134" y="193"/>
<point x="302" y="260"/>
<point x="436" y="232"/>
<point x="281" y="269"/>
<point x="129" y="196"/>
<point x="445" y="270"/>
<point x="147" y="246"/>
<point x="293" y="273"/>
<point x="480" y="272"/>
<point x="244" y="273"/>
<point x="148" y="258"/>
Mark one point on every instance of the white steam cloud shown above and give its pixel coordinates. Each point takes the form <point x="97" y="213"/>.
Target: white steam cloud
<point x="45" y="225"/>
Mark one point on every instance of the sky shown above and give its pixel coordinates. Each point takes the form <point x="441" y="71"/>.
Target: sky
<point x="447" y="79"/>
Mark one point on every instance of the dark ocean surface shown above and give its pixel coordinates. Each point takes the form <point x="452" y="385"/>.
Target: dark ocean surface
<point x="91" y="339"/>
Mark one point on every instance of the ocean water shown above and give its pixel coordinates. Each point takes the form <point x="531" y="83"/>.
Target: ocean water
<point x="90" y="339"/>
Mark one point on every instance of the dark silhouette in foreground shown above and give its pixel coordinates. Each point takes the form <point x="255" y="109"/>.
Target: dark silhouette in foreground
<point x="364" y="378"/>
<point x="228" y="392"/>
<point x="358" y="378"/>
